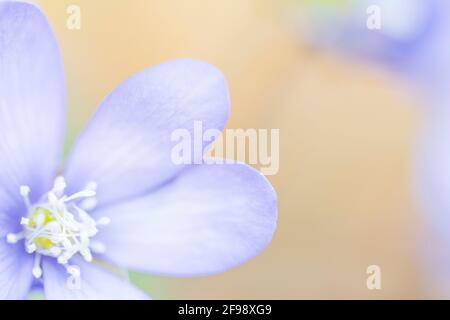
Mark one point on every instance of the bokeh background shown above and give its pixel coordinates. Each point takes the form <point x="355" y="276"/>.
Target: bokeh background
<point x="347" y="139"/>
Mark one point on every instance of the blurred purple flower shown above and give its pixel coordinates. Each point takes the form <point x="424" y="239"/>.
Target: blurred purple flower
<point x="128" y="204"/>
<point x="413" y="38"/>
<point x="413" y="41"/>
<point x="433" y="194"/>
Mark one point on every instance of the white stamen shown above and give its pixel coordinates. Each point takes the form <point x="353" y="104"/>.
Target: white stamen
<point x="97" y="247"/>
<point x="59" y="186"/>
<point x="14" y="237"/>
<point x="24" y="192"/>
<point x="55" y="251"/>
<point x="52" y="199"/>
<point x="39" y="220"/>
<point x="86" y="253"/>
<point x="60" y="226"/>
<point x="62" y="259"/>
<point x="37" y="270"/>
<point x="85" y="217"/>
<point x="82" y="194"/>
<point x="88" y="204"/>
<point x="30" y="248"/>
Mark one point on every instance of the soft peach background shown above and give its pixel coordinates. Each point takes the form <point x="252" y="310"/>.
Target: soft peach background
<point x="347" y="136"/>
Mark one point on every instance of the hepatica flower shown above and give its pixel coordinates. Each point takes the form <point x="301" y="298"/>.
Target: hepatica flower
<point x="410" y="37"/>
<point x="433" y="167"/>
<point x="119" y="197"/>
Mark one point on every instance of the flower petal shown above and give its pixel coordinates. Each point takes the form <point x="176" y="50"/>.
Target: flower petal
<point x="211" y="218"/>
<point x="433" y="168"/>
<point x="126" y="148"/>
<point x="95" y="284"/>
<point x="15" y="271"/>
<point x="32" y="98"/>
<point x="355" y="28"/>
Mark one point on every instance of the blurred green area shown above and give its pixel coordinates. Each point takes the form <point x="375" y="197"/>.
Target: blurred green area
<point x="154" y="286"/>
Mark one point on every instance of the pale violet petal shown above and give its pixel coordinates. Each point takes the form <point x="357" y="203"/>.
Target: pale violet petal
<point x="95" y="283"/>
<point x="15" y="271"/>
<point x="32" y="107"/>
<point x="210" y="219"/>
<point x="126" y="147"/>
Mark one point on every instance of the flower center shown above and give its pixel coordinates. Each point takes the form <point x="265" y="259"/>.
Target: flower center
<point x="60" y="226"/>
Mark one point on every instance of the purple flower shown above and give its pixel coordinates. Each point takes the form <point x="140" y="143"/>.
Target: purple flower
<point x="433" y="196"/>
<point x="121" y="200"/>
<point x="433" y="166"/>
<point x="411" y="38"/>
